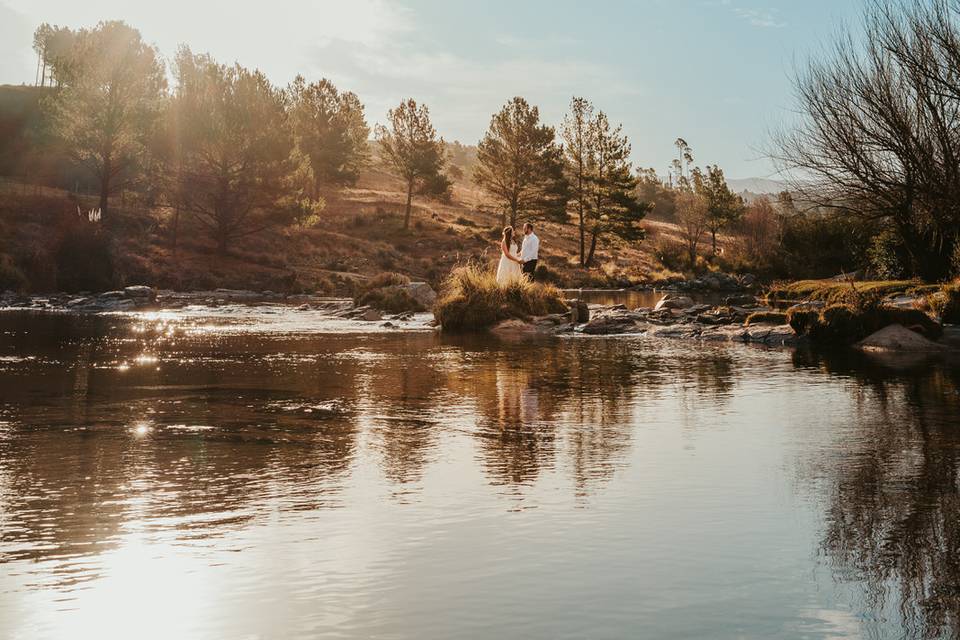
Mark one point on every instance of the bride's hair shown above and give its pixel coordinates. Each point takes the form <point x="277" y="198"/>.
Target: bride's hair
<point x="508" y="235"/>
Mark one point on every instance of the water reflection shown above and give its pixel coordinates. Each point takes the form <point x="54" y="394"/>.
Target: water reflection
<point x="366" y="484"/>
<point x="892" y="518"/>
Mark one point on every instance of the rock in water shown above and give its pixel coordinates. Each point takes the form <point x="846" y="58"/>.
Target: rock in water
<point x="896" y="337"/>
<point x="140" y="291"/>
<point x="513" y="328"/>
<point x="423" y="293"/>
<point x="579" y="311"/>
<point x="671" y="302"/>
<point x="371" y="315"/>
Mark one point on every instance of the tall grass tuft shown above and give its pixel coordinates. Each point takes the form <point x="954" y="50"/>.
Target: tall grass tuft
<point x="472" y="300"/>
<point x="385" y="292"/>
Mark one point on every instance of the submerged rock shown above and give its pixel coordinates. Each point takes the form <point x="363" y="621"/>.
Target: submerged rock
<point x="896" y="337"/>
<point x="514" y="328"/>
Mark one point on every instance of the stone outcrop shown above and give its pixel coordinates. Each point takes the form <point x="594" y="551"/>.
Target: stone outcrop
<point x="423" y="293"/>
<point x="673" y="302"/>
<point x="896" y="337"/>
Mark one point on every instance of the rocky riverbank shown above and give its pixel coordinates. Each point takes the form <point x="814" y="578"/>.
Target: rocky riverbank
<point x="674" y="316"/>
<point x="144" y="298"/>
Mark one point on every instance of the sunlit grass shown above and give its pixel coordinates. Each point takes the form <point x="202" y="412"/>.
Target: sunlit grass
<point x="471" y="299"/>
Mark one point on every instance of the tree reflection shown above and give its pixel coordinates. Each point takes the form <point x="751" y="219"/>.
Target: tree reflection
<point x="893" y="509"/>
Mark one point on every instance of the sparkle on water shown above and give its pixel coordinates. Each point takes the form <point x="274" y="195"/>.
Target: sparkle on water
<point x="263" y="473"/>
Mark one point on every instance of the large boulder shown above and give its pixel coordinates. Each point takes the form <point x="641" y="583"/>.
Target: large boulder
<point x="896" y="337"/>
<point x="423" y="293"/>
<point x="673" y="302"/>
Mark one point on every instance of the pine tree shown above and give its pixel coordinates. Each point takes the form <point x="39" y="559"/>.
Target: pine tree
<point x="110" y="103"/>
<point x="330" y="130"/>
<point x="615" y="208"/>
<point x="578" y="151"/>
<point x="411" y="147"/>
<point x="521" y="166"/>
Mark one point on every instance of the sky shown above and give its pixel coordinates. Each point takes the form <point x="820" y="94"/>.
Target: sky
<point x="715" y="72"/>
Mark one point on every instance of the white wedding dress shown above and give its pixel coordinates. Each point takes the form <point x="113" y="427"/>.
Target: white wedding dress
<point x="508" y="270"/>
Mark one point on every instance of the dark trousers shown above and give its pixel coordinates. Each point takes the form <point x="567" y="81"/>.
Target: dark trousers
<point x="530" y="268"/>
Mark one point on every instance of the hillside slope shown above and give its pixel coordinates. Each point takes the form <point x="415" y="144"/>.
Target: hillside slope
<point x="359" y="234"/>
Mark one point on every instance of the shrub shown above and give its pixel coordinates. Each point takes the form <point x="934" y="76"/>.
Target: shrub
<point x="845" y="323"/>
<point x="471" y="299"/>
<point x="11" y="278"/>
<point x="84" y="259"/>
<point x="766" y="317"/>
<point x="549" y="276"/>
<point x="801" y="319"/>
<point x="387" y="279"/>
<point x="671" y="254"/>
<point x="887" y="255"/>
<point x="945" y="303"/>
<point x="393" y="299"/>
<point x="385" y="292"/>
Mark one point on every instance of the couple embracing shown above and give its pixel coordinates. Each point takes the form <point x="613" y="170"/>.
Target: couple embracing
<point x="518" y="258"/>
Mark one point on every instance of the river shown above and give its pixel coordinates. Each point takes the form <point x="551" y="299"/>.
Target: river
<point x="264" y="473"/>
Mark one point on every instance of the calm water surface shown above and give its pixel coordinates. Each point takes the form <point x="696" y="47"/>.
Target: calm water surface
<point x="262" y="474"/>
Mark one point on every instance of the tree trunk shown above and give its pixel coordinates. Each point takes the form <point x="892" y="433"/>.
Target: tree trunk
<point x="593" y="249"/>
<point x="406" y="216"/>
<point x="104" y="191"/>
<point x="713" y="237"/>
<point x="176" y="227"/>
<point x="583" y="261"/>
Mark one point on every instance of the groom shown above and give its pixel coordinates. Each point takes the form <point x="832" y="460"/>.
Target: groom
<point x="529" y="251"/>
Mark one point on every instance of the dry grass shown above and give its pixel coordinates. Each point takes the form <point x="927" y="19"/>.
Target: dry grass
<point x="834" y="292"/>
<point x="471" y="300"/>
<point x="944" y="303"/>
<point x="846" y="324"/>
<point x="385" y="292"/>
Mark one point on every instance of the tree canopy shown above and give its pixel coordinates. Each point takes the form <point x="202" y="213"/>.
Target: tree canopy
<point x="238" y="174"/>
<point x="411" y="148"/>
<point x="330" y="131"/>
<point x="109" y="103"/>
<point x="520" y="165"/>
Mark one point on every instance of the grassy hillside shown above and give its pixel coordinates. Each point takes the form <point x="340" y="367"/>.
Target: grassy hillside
<point x="359" y="233"/>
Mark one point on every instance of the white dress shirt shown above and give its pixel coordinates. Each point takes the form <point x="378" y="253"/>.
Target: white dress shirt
<point x="530" y="249"/>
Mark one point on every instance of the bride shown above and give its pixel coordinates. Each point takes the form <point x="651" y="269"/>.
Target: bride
<point x="509" y="267"/>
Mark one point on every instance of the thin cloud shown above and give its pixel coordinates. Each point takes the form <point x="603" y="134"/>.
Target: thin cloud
<point x="764" y="18"/>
